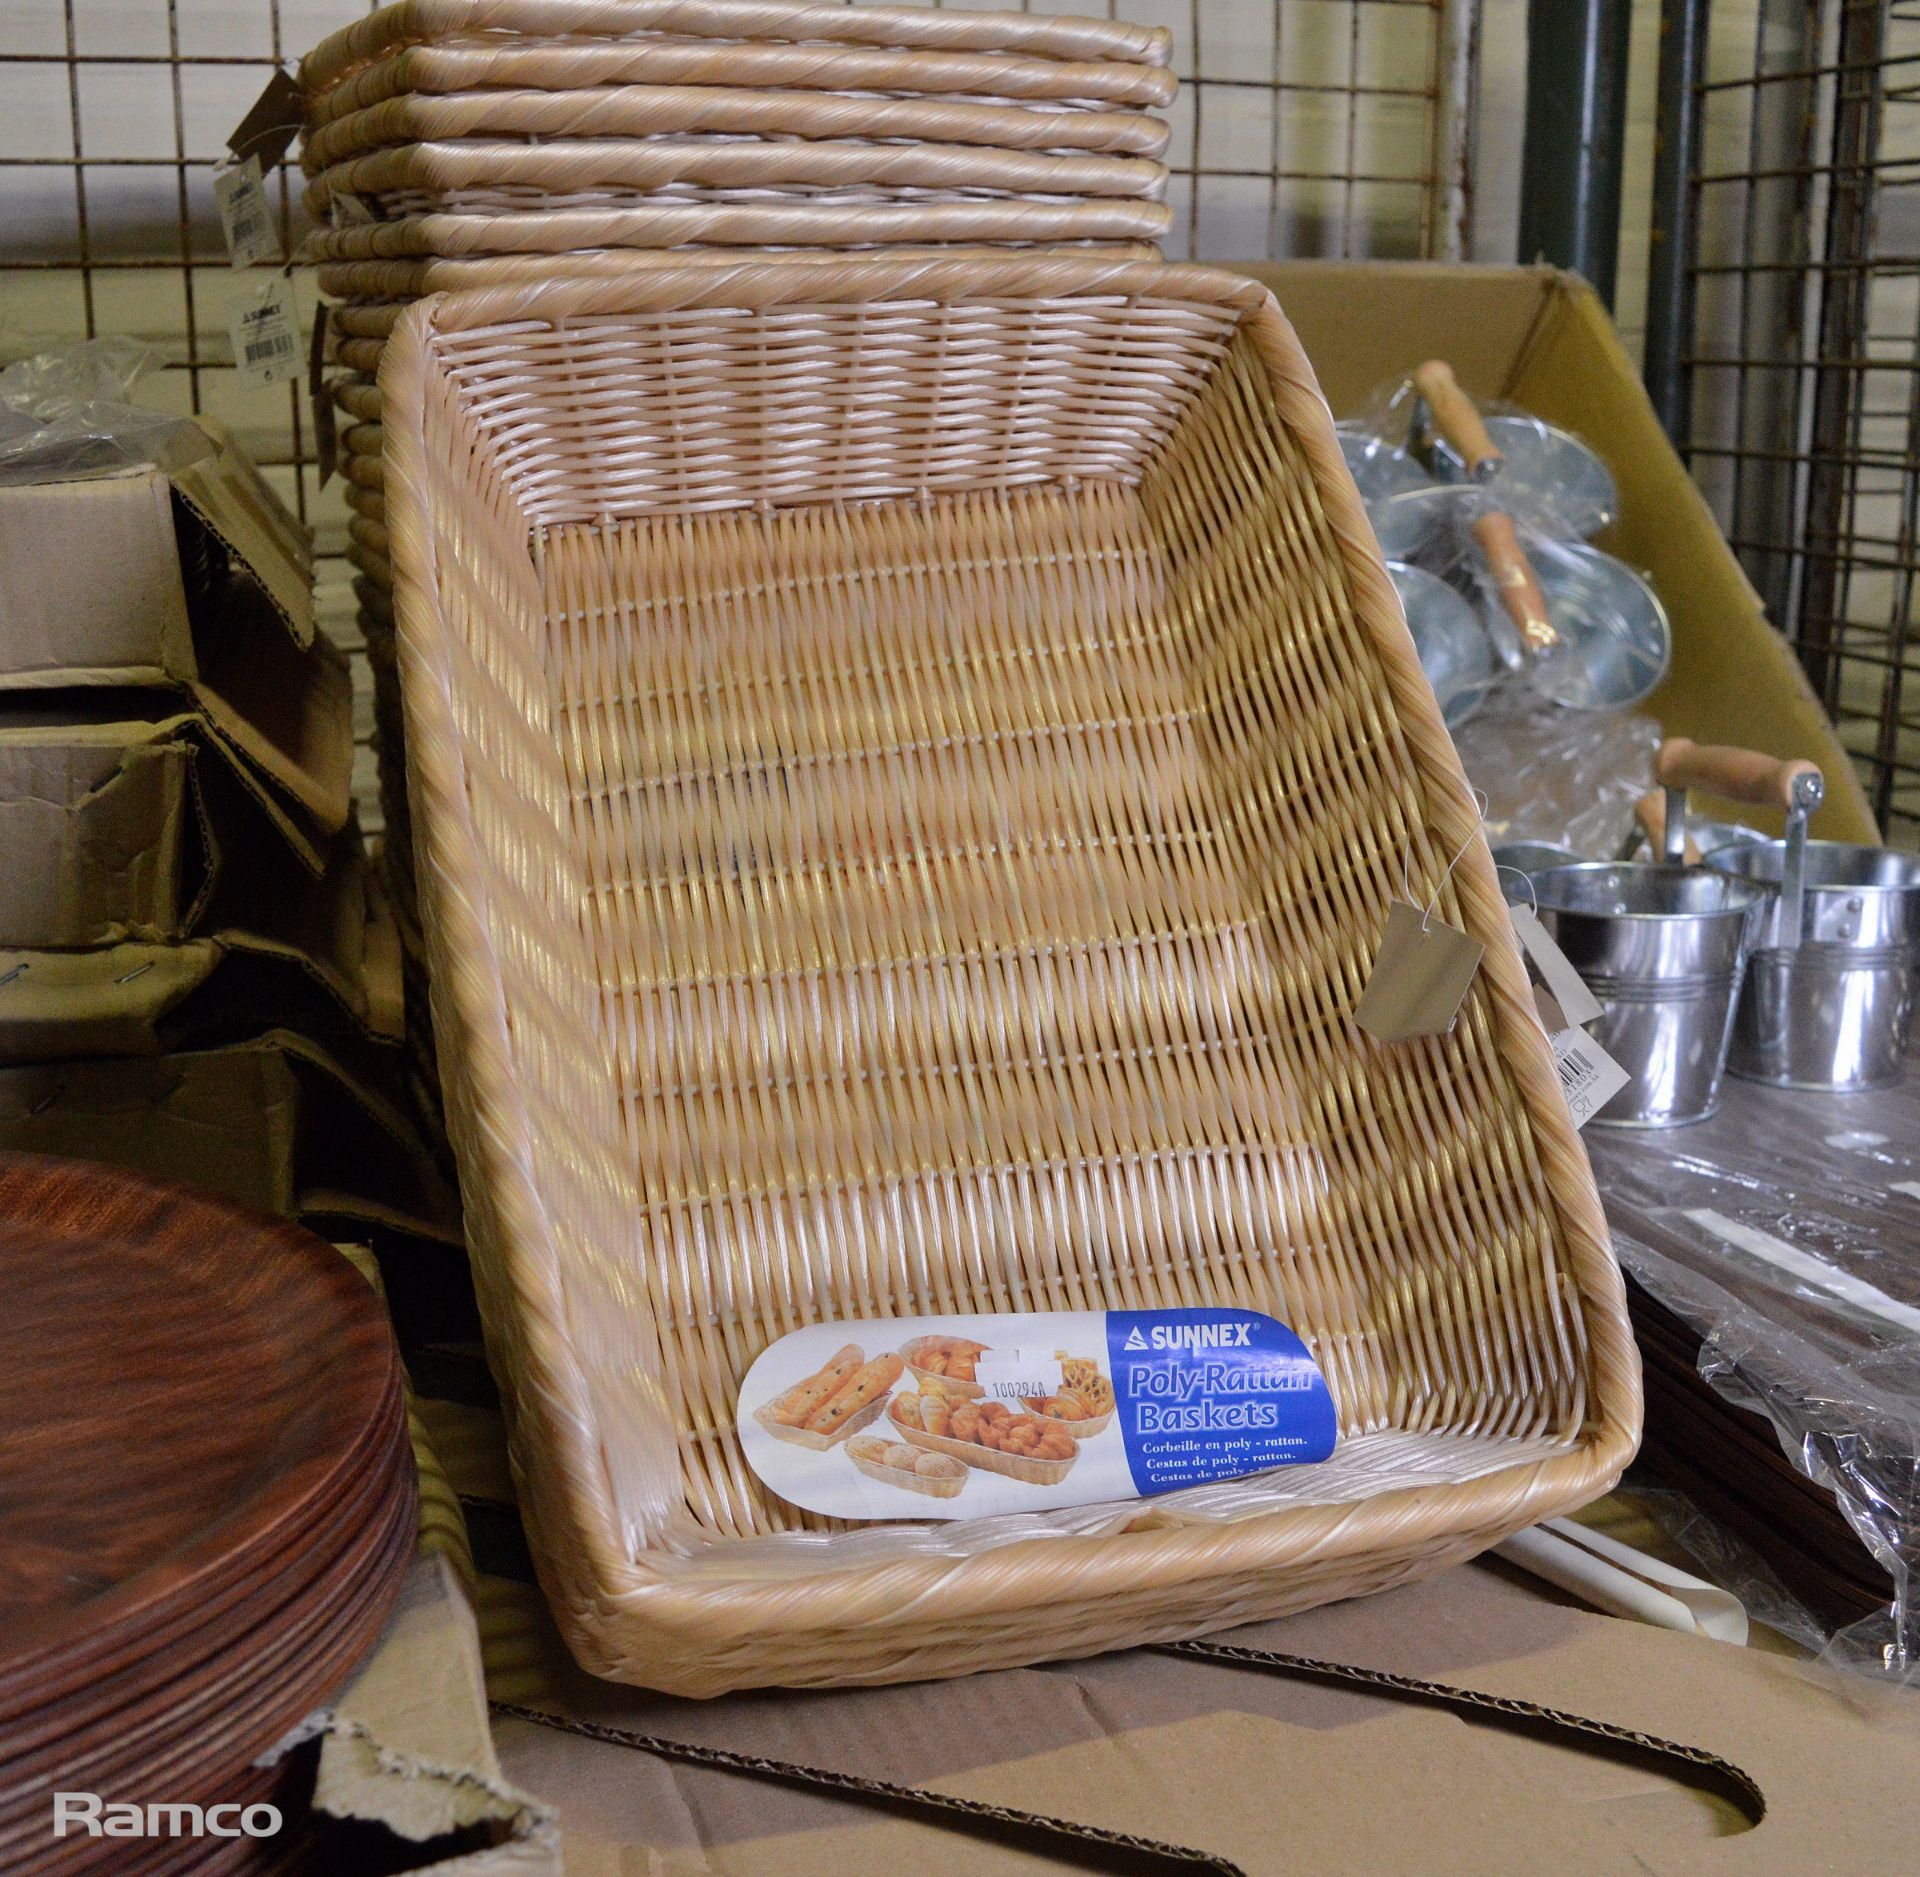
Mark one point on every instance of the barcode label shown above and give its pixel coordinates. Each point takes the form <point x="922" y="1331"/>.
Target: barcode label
<point x="266" y="335"/>
<point x="241" y="197"/>
<point x="1589" y="1077"/>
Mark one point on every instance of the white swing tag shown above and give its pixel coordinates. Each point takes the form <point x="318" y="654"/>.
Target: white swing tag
<point x="1576" y="1003"/>
<point x="265" y="331"/>
<point x="1589" y="1077"/>
<point x="245" y="220"/>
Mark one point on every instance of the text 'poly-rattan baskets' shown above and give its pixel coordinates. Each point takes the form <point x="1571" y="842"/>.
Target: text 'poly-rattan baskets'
<point x="909" y="764"/>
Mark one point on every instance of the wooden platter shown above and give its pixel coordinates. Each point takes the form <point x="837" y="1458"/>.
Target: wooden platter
<point x="207" y="1499"/>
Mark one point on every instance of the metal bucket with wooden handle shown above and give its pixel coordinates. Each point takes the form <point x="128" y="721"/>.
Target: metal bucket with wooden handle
<point x="1701" y="838"/>
<point x="1410" y="512"/>
<point x="1662" y="948"/>
<point x="1828" y="1002"/>
<point x="1454" y="649"/>
<point x="1543" y="475"/>
<point x="1591" y="633"/>
<point x="1613" y="641"/>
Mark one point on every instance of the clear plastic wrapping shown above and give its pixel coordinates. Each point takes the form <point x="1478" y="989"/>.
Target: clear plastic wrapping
<point x="69" y="411"/>
<point x="1786" y="1236"/>
<point x="1492" y="566"/>
<point x="1567" y="777"/>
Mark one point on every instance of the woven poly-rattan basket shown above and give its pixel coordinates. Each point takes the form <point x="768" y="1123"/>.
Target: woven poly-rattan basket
<point x="981" y="78"/>
<point x="379" y="290"/>
<point x="493" y="22"/>
<point x="790" y="222"/>
<point x="480" y="175"/>
<point x="908" y="769"/>
<point x="643" y="112"/>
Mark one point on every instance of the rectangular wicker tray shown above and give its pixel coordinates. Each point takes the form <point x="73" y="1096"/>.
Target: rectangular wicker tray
<point x="910" y="763"/>
<point x="911" y="1482"/>
<point x="1013" y="1465"/>
<point x="822" y="1443"/>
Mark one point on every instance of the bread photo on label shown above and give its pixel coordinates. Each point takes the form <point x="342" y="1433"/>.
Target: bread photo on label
<point x="803" y="1398"/>
<point x="865" y="1386"/>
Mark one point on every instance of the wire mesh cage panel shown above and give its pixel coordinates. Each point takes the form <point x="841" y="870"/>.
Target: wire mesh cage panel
<point x="1303" y="127"/>
<point x="1784" y="336"/>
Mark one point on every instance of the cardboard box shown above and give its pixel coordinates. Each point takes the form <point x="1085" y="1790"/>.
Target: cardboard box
<point x="186" y="575"/>
<point x="1276" y="1774"/>
<point x="275" y="1123"/>
<point x="125" y="819"/>
<point x="406" y="1769"/>
<point x="1540" y="339"/>
<point x="300" y="960"/>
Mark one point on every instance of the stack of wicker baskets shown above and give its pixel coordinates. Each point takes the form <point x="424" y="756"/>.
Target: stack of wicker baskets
<point x="461" y="143"/>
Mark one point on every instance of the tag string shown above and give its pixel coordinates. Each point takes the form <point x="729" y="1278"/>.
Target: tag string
<point x="1526" y="879"/>
<point x="1459" y="853"/>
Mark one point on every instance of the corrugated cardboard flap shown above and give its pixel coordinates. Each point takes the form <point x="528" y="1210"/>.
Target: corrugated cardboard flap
<point x="121" y="815"/>
<point x="220" y="483"/>
<point x="300" y="960"/>
<point x="90" y="589"/>
<point x="275" y="1123"/>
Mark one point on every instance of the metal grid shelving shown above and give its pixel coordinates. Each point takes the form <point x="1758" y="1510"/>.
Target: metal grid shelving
<point x="1784" y="336"/>
<point x="1331" y="127"/>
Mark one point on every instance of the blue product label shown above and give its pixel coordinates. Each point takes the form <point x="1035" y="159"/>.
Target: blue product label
<point x="1206" y="1395"/>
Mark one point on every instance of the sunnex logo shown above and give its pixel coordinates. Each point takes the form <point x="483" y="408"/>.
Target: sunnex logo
<point x="87" y="1813"/>
<point x="1214" y="1393"/>
<point x="1197" y="1336"/>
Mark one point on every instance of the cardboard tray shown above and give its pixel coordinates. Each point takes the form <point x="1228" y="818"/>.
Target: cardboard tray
<point x="1032" y="1472"/>
<point x="821" y="1443"/>
<point x="195" y="580"/>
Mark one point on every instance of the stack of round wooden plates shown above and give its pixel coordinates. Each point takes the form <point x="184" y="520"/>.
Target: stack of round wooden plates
<point x="207" y="1504"/>
<point x="466" y="143"/>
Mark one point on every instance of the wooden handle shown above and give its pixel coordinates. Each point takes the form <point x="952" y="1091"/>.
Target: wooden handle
<point x="1513" y="579"/>
<point x="1457" y="418"/>
<point x="1651" y="813"/>
<point x="1741" y="775"/>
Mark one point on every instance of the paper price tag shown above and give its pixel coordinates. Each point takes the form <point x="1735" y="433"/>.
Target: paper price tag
<point x="275" y="118"/>
<point x="266" y="335"/>
<point x="1420" y="978"/>
<point x="245" y="220"/>
<point x="1589" y="1077"/>
<point x="346" y="210"/>
<point x="1008" y="1374"/>
<point x="1577" y="1004"/>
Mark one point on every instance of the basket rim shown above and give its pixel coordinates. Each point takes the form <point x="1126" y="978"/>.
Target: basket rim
<point x="594" y="1579"/>
<point x="785" y="21"/>
<point x="397" y="283"/>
